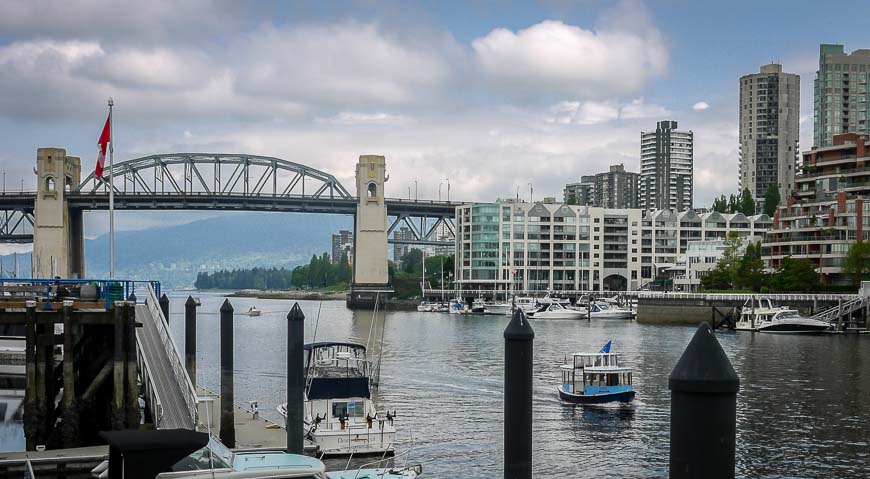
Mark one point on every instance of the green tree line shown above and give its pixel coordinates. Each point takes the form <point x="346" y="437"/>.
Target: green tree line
<point x="744" y="270"/>
<point x="318" y="273"/>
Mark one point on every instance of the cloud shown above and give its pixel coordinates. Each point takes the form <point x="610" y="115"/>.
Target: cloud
<point x="554" y="58"/>
<point x="701" y="105"/>
<point x="594" y="112"/>
<point x="358" y="118"/>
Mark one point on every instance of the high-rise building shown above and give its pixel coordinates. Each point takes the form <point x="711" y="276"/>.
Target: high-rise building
<point x="666" y="168"/>
<point x="769" y="131"/>
<point x="342" y="243"/>
<point x="399" y="249"/>
<point x="616" y="188"/>
<point x="841" y="94"/>
<point x="582" y="193"/>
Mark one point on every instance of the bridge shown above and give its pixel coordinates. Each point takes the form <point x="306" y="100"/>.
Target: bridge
<point x="51" y="217"/>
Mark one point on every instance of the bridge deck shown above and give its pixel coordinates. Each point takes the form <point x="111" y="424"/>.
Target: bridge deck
<point x="175" y="413"/>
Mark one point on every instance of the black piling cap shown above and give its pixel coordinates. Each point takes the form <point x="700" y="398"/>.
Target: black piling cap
<point x="704" y="367"/>
<point x="227" y="307"/>
<point x="519" y="329"/>
<point x="190" y="301"/>
<point x="132" y="297"/>
<point x="164" y="299"/>
<point x="296" y="313"/>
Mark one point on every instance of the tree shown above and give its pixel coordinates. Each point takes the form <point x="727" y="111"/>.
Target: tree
<point x="572" y="200"/>
<point x="733" y="203"/>
<point x="771" y="200"/>
<point x="746" y="204"/>
<point x="731" y="258"/>
<point x="411" y="261"/>
<point x="857" y="262"/>
<point x="752" y="275"/>
<point x="795" y="275"/>
<point x="720" y="204"/>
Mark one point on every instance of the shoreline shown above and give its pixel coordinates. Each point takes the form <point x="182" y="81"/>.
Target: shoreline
<point x="297" y="295"/>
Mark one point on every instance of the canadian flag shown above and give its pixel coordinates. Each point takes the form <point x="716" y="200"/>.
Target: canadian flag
<point x="105" y="138"/>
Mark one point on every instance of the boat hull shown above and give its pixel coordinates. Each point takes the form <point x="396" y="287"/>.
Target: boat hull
<point x="622" y="396"/>
<point x="565" y="314"/>
<point x="795" y="328"/>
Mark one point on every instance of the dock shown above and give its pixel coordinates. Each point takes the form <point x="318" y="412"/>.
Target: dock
<point x="251" y="432"/>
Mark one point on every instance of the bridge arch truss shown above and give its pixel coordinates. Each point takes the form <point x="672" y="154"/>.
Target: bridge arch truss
<point x="188" y="174"/>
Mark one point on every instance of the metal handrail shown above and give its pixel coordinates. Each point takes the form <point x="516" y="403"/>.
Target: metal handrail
<point x="189" y="392"/>
<point x="835" y="312"/>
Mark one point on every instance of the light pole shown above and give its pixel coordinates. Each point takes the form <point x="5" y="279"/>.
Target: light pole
<point x="415" y="190"/>
<point x="531" y="193"/>
<point x="518" y="192"/>
<point x="409" y="193"/>
<point x="439" y="190"/>
<point x="4" y="182"/>
<point x="448" y="189"/>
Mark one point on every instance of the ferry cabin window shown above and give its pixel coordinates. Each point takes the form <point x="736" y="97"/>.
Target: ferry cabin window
<point x="341" y="409"/>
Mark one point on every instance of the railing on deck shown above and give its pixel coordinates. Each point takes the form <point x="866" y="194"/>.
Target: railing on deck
<point x="188" y="391"/>
<point x="45" y="290"/>
<point x="151" y="393"/>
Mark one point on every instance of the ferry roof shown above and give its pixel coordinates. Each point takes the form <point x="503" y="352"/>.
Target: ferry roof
<point x="329" y="344"/>
<point x="594" y="354"/>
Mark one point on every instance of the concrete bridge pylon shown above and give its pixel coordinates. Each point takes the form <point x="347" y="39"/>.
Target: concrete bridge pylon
<point x="371" y="280"/>
<point x="58" y="231"/>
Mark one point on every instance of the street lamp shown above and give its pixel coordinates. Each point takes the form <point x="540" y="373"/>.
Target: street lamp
<point x="448" y="189"/>
<point x="415" y="190"/>
<point x="439" y="190"/>
<point x="531" y="193"/>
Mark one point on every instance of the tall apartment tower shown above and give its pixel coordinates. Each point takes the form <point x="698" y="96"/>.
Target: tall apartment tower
<point x="769" y="131"/>
<point x="841" y="94"/>
<point x="666" y="168"/>
<point x="616" y="188"/>
<point x="582" y="193"/>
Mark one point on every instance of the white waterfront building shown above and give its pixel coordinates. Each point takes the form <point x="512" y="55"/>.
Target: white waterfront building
<point x="555" y="247"/>
<point x="700" y="258"/>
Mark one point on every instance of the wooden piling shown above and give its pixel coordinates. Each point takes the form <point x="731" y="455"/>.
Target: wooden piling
<point x="190" y="338"/>
<point x="70" y="430"/>
<point x="228" y="427"/>
<point x="31" y="397"/>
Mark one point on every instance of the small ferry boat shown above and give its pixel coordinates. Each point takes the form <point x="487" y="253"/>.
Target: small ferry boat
<point x="763" y="316"/>
<point x="340" y="416"/>
<point x="253" y="311"/>
<point x="555" y="311"/>
<point x="595" y="378"/>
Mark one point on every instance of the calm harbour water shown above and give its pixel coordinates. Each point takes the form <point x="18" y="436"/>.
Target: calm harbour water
<point x="803" y="407"/>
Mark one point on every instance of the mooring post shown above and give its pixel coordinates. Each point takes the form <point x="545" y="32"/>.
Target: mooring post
<point x="518" y="348"/>
<point x="131" y="384"/>
<point x="228" y="426"/>
<point x="31" y="401"/>
<point x="70" y="428"/>
<point x="704" y="389"/>
<point x="118" y="373"/>
<point x="164" y="306"/>
<point x="190" y="338"/>
<point x="295" y="379"/>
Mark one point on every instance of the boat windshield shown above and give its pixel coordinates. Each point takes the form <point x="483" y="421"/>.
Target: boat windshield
<point x="337" y="360"/>
<point x="788" y="315"/>
<point x="213" y="456"/>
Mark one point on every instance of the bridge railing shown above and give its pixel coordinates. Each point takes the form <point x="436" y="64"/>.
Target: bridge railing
<point x="780" y="297"/>
<point x="188" y="391"/>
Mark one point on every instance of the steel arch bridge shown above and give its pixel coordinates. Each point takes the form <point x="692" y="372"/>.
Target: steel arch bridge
<point x="232" y="182"/>
<point x="215" y="174"/>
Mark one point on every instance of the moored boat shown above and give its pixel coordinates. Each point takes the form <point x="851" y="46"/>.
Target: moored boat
<point x="595" y="378"/>
<point x="253" y="311"/>
<point x="340" y="416"/>
<point x="763" y="316"/>
<point x="555" y="311"/>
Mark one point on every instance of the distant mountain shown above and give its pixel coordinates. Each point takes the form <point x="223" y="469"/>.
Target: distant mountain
<point x="175" y="254"/>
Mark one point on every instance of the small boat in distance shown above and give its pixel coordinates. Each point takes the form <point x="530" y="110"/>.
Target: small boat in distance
<point x="603" y="310"/>
<point x="595" y="378"/>
<point x="763" y="316"/>
<point x="253" y="311"/>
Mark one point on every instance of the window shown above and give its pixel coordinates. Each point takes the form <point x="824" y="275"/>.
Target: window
<point x="355" y="409"/>
<point x="49" y="183"/>
<point x="372" y="191"/>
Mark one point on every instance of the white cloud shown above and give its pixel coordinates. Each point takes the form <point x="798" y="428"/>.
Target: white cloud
<point x="638" y="108"/>
<point x="594" y="112"/>
<point x="552" y="57"/>
<point x="701" y="105"/>
<point x="359" y="118"/>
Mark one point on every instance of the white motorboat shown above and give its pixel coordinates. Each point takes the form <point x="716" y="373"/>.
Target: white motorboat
<point x="340" y="416"/>
<point x="763" y="316"/>
<point x="253" y="311"/>
<point x="497" y="308"/>
<point x="548" y="299"/>
<point x="602" y="310"/>
<point x="424" y="307"/>
<point x="555" y="311"/>
<point x="527" y="304"/>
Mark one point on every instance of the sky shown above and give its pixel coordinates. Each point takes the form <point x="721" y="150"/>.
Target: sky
<point x="490" y="96"/>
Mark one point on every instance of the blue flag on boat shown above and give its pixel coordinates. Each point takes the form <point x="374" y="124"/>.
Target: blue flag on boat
<point x="606" y="348"/>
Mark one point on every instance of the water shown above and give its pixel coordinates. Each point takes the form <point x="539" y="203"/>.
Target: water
<point x="803" y="407"/>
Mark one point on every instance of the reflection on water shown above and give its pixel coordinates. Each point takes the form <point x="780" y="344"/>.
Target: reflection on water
<point x="803" y="407"/>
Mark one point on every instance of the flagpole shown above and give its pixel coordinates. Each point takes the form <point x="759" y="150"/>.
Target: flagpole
<point x="111" y="191"/>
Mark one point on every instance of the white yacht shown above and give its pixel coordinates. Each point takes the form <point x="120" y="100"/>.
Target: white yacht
<point x="253" y="311"/>
<point x="763" y="316"/>
<point x="603" y="310"/>
<point x="424" y="307"/>
<point x="555" y="311"/>
<point x="340" y="416"/>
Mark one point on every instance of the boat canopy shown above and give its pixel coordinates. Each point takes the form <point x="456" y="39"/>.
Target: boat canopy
<point x="332" y="344"/>
<point x="606" y="370"/>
